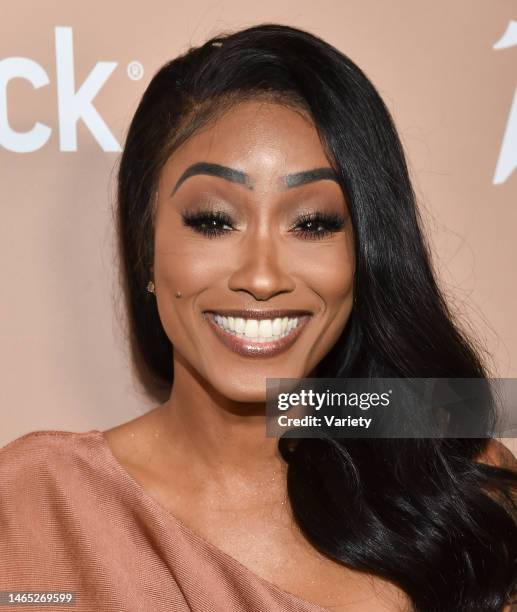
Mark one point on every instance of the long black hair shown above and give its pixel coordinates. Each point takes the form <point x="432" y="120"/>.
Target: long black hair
<point x="422" y="513"/>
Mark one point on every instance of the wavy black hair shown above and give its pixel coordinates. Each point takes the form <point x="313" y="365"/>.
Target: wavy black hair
<point x="422" y="513"/>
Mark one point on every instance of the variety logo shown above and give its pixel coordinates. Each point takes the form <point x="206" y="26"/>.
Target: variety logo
<point x="507" y="161"/>
<point x="73" y="104"/>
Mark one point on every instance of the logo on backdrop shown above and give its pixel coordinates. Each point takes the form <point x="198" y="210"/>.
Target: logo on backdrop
<point x="73" y="104"/>
<point x="507" y="161"/>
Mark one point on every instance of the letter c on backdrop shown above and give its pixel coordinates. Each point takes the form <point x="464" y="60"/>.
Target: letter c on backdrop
<point x="23" y="68"/>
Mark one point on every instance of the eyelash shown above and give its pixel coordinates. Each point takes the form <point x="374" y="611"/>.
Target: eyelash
<point x="332" y="221"/>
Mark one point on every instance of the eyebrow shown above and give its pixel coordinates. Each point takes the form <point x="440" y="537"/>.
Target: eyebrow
<point x="241" y="178"/>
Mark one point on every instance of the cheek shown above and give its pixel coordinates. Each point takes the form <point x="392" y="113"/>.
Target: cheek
<point x="330" y="273"/>
<point x="189" y="263"/>
<point x="183" y="261"/>
<point x="329" y="270"/>
<point x="185" y="271"/>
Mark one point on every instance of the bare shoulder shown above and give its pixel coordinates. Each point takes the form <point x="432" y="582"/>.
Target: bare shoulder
<point x="498" y="455"/>
<point x="132" y="443"/>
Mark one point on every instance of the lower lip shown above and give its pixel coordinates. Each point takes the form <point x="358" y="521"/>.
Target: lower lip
<point x="247" y="348"/>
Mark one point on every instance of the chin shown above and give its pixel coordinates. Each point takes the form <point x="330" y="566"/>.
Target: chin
<point x="250" y="384"/>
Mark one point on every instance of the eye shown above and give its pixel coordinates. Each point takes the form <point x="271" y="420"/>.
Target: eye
<point x="207" y="222"/>
<point x="312" y="225"/>
<point x="319" y="225"/>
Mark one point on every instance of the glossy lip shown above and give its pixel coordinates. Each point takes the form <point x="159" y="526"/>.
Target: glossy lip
<point x="244" y="346"/>
<point x="248" y="313"/>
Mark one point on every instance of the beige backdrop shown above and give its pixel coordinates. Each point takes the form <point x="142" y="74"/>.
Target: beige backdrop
<point x="63" y="358"/>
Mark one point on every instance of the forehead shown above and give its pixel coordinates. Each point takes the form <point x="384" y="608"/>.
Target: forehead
<point x="263" y="139"/>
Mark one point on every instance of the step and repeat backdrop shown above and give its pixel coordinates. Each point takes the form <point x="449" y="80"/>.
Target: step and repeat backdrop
<point x="71" y="75"/>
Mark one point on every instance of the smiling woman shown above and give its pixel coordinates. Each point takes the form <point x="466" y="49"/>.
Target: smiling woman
<point x="252" y="237"/>
<point x="268" y="229"/>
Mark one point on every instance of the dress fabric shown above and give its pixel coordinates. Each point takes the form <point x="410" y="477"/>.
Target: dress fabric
<point x="72" y="519"/>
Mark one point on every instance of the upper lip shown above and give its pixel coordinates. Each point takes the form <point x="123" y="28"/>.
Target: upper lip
<point x="260" y="314"/>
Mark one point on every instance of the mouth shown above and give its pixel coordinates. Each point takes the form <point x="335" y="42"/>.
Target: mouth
<point x="258" y="333"/>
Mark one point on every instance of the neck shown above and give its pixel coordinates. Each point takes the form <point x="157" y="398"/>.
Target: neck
<point x="223" y="439"/>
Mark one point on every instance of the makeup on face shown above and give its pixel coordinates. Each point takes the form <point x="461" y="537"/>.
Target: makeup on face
<point x="253" y="226"/>
<point x="260" y="333"/>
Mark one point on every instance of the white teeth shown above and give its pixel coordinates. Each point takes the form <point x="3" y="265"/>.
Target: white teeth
<point x="251" y="330"/>
<point x="277" y="327"/>
<point x="265" y="330"/>
<point x="239" y="325"/>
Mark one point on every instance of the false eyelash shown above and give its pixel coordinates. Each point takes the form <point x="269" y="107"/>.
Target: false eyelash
<point x="332" y="221"/>
<point x="195" y="220"/>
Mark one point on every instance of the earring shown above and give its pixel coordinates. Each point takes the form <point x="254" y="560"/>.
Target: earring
<point x="150" y="288"/>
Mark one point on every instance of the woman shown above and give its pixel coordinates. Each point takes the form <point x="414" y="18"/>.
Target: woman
<point x="268" y="229"/>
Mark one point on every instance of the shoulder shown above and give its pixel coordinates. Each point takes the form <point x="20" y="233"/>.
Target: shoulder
<point x="498" y="454"/>
<point x="40" y="444"/>
<point x="38" y="457"/>
<point x="45" y="475"/>
<point x="35" y="438"/>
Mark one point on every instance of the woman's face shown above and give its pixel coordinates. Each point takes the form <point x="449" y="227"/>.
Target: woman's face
<point x="264" y="251"/>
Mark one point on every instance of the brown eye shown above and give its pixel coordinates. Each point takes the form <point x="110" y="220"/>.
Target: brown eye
<point x="319" y="225"/>
<point x="207" y="222"/>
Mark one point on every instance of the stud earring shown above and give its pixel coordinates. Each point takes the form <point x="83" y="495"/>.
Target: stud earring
<point x="150" y="288"/>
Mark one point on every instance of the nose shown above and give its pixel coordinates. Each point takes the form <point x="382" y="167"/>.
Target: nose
<point x="261" y="269"/>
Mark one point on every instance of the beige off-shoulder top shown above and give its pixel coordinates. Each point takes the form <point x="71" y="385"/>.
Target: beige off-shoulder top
<point x="72" y="519"/>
